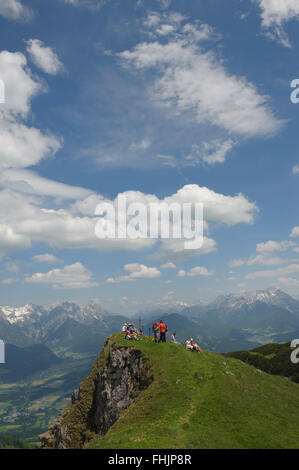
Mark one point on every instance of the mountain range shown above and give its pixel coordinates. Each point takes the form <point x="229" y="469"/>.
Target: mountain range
<point x="230" y="322"/>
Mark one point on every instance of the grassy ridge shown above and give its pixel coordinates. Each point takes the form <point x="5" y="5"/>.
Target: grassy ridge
<point x="205" y="401"/>
<point x="272" y="358"/>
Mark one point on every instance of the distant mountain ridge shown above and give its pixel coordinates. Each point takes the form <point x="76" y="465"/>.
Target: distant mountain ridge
<point x="230" y="322"/>
<point x="63" y="325"/>
<point x="21" y="362"/>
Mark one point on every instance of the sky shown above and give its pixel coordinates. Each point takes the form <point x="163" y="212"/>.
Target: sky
<point x="164" y="101"/>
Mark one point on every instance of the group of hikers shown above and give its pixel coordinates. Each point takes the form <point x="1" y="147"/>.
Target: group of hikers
<point x="131" y="331"/>
<point x="159" y="331"/>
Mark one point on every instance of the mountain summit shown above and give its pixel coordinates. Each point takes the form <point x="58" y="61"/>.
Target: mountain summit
<point x="154" y="396"/>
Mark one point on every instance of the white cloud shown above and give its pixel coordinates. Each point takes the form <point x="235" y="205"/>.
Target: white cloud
<point x="274" y="273"/>
<point x="211" y="153"/>
<point x="295" y="232"/>
<point x="196" y="81"/>
<point x="142" y="145"/>
<point x="275" y="13"/>
<point x="264" y="257"/>
<point x="136" y="271"/>
<point x="175" y="249"/>
<point x="162" y="24"/>
<point x="74" y="276"/>
<point x="196" y="271"/>
<point x="268" y="260"/>
<point x="236" y="263"/>
<point x="22" y="146"/>
<point x="26" y="219"/>
<point x="11" y="241"/>
<point x="44" y="57"/>
<point x="270" y="246"/>
<point x="15" y="10"/>
<point x="28" y="182"/>
<point x="295" y="169"/>
<point x="46" y="258"/>
<point x="20" y="85"/>
<point x="169" y="265"/>
<point x="91" y="4"/>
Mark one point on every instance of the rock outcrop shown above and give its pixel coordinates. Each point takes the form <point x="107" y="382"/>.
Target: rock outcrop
<point x="117" y="377"/>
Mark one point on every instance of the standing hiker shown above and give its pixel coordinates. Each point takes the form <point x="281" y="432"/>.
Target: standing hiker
<point x="163" y="330"/>
<point x="156" y="331"/>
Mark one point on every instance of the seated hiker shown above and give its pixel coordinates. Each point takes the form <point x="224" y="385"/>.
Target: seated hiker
<point x="193" y="346"/>
<point x="163" y="330"/>
<point x="133" y="331"/>
<point x="173" y="339"/>
<point x="128" y="335"/>
<point x="124" y="328"/>
<point x="156" y="331"/>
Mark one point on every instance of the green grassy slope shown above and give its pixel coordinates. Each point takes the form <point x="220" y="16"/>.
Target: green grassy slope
<point x="205" y="401"/>
<point x="272" y="358"/>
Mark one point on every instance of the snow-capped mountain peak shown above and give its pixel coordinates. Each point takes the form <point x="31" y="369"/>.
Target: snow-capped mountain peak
<point x="271" y="296"/>
<point x="21" y="314"/>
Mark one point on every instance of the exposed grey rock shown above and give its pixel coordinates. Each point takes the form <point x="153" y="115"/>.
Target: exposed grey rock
<point x="100" y="399"/>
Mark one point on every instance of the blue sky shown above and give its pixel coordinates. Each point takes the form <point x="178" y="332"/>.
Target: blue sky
<point x="165" y="99"/>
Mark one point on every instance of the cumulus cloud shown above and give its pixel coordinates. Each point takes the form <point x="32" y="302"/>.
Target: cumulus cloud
<point x="168" y="265"/>
<point x="74" y="276"/>
<point x="192" y="80"/>
<point x="11" y="241"/>
<point x="20" y="85"/>
<point x="25" y="219"/>
<point x="196" y="271"/>
<point x="44" y="57"/>
<point x="15" y="10"/>
<point x="46" y="258"/>
<point x="295" y="232"/>
<point x="275" y="13"/>
<point x="21" y="146"/>
<point x="136" y="271"/>
<point x="264" y="254"/>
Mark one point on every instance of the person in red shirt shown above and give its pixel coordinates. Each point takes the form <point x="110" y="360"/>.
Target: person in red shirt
<point x="163" y="329"/>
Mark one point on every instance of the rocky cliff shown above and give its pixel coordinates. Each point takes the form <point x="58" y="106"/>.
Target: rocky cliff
<point x="117" y="377"/>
